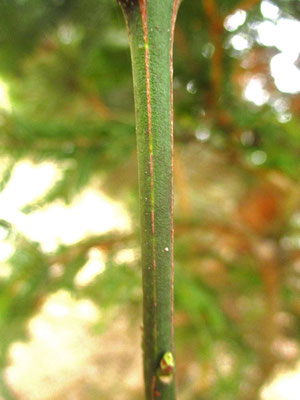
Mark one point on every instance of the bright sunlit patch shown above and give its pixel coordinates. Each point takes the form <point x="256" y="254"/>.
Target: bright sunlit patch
<point x="267" y="33"/>
<point x="288" y="32"/>
<point x="28" y="182"/>
<point x="67" y="305"/>
<point x="87" y="310"/>
<point x="60" y="345"/>
<point x="5" y="270"/>
<point x="269" y="10"/>
<point x="255" y="91"/>
<point x="285" y="73"/>
<point x="56" y="309"/>
<point x="286" y="386"/>
<point x="280" y="34"/>
<point x="94" y="267"/>
<point x="4" y="99"/>
<point x="3" y="233"/>
<point x="233" y="21"/>
<point x="126" y="256"/>
<point x="90" y="213"/>
<point x="17" y="350"/>
<point x="240" y="42"/>
<point x="6" y="250"/>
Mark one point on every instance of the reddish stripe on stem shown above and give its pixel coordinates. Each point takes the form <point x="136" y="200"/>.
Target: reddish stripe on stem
<point x="174" y="15"/>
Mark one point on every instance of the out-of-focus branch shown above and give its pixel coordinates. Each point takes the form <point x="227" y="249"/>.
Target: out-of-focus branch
<point x="104" y="242"/>
<point x="267" y="254"/>
<point x="244" y="5"/>
<point x="215" y="27"/>
<point x="182" y="186"/>
<point x="100" y="107"/>
<point x="96" y="102"/>
<point x="270" y="271"/>
<point x="216" y="31"/>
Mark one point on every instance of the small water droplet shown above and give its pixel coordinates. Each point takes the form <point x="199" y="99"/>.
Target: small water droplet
<point x="202" y="134"/>
<point x="208" y="50"/>
<point x="191" y="87"/>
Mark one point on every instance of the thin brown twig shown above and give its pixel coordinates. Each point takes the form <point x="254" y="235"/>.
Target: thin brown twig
<point x="100" y="107"/>
<point x="105" y="242"/>
<point x="182" y="186"/>
<point x="244" y="5"/>
<point x="216" y="30"/>
<point x="216" y="33"/>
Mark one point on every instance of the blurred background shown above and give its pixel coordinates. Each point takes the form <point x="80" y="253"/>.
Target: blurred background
<point x="70" y="275"/>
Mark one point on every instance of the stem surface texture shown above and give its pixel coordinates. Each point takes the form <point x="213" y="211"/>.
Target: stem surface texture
<point x="150" y="25"/>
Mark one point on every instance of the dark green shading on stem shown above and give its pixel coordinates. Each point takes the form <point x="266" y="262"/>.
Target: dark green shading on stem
<point x="150" y="25"/>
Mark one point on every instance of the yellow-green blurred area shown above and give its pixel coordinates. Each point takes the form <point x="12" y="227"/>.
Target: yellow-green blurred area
<point x="70" y="273"/>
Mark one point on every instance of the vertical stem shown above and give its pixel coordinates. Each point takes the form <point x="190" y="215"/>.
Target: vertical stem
<point x="150" y="25"/>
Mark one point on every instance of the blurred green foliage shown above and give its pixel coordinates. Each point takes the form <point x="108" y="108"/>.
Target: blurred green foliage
<point x="67" y="67"/>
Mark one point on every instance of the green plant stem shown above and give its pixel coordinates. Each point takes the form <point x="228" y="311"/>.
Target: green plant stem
<point x="150" y="25"/>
